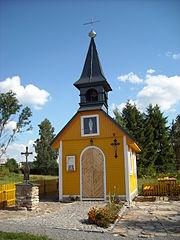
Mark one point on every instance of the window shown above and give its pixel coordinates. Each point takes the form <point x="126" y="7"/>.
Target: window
<point x="91" y="95"/>
<point x="134" y="163"/>
<point x="90" y="125"/>
<point x="70" y="163"/>
<point x="131" y="166"/>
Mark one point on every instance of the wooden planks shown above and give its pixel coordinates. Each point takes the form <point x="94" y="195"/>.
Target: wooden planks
<point x="92" y="174"/>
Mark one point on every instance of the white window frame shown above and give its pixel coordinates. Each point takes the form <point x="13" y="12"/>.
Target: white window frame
<point x="82" y="125"/>
<point x="67" y="163"/>
<point x="134" y="162"/>
<point x="130" y="165"/>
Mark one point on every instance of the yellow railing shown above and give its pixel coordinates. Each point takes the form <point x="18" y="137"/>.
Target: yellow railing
<point x="7" y="191"/>
<point x="164" y="187"/>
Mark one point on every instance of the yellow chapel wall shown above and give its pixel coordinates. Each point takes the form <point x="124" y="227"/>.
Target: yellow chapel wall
<point x="132" y="176"/>
<point x="73" y="144"/>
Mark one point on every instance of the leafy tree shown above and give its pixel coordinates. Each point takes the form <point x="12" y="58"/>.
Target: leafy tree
<point x="10" y="109"/>
<point x="46" y="158"/>
<point x="11" y="164"/>
<point x="175" y="139"/>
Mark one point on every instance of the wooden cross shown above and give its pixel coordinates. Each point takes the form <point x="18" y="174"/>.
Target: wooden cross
<point x="26" y="169"/>
<point x="115" y="144"/>
<point x="92" y="22"/>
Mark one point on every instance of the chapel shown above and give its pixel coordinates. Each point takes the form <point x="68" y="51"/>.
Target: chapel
<point x="97" y="157"/>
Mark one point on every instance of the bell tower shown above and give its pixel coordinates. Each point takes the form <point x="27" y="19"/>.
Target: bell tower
<point x="92" y="84"/>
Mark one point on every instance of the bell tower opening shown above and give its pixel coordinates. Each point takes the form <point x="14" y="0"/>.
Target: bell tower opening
<point x="91" y="96"/>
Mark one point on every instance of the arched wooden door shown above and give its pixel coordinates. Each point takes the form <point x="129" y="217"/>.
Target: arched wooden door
<point x="92" y="174"/>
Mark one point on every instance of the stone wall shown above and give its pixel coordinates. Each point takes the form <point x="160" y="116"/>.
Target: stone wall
<point x="27" y="196"/>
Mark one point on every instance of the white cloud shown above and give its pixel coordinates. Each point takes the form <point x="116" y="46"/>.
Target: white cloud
<point x="158" y="89"/>
<point x="168" y="54"/>
<point x="176" y="56"/>
<point x="150" y="71"/>
<point x="15" y="149"/>
<point x="130" y="77"/>
<point x="29" y="94"/>
<point x="161" y="90"/>
<point x="10" y="125"/>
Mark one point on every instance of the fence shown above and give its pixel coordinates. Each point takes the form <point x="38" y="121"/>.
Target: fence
<point x="7" y="194"/>
<point x="7" y="191"/>
<point x="164" y="187"/>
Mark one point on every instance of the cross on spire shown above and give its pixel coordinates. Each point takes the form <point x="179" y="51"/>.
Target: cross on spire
<point x="92" y="33"/>
<point x="26" y="169"/>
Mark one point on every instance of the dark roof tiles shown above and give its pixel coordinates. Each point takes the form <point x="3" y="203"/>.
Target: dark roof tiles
<point x="92" y="72"/>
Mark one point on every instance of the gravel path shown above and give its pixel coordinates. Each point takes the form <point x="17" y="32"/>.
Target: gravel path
<point x="157" y="220"/>
<point x="72" y="216"/>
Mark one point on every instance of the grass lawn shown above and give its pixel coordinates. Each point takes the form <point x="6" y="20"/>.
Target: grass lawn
<point x="13" y="177"/>
<point x="154" y="179"/>
<point x="146" y="180"/>
<point x="20" y="236"/>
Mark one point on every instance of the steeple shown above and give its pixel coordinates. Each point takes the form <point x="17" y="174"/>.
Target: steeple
<point x="92" y="84"/>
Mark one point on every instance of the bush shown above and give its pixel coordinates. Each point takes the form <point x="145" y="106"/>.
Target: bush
<point x="11" y="164"/>
<point x="103" y="216"/>
<point x="4" y="171"/>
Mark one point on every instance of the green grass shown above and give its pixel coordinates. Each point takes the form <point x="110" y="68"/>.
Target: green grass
<point x="13" y="177"/>
<point x="154" y="179"/>
<point x="20" y="236"/>
<point x="146" y="180"/>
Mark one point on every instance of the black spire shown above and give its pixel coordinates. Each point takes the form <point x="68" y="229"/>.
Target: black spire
<point x="92" y="84"/>
<point x="92" y="72"/>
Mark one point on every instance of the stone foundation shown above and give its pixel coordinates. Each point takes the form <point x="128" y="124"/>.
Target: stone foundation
<point x="27" y="196"/>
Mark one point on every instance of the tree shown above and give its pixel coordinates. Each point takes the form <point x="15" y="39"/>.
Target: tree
<point x="119" y="118"/>
<point x="46" y="158"/>
<point x="151" y="133"/>
<point x="132" y="120"/>
<point x="175" y="139"/>
<point x="11" y="164"/>
<point x="162" y="151"/>
<point x="11" y="109"/>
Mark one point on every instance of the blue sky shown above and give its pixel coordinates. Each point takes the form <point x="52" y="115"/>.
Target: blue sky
<point x="43" y="45"/>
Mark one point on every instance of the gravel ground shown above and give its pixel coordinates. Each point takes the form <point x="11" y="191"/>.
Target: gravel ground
<point x="158" y="220"/>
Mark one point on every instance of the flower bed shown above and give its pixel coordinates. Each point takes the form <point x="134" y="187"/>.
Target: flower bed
<point x="103" y="217"/>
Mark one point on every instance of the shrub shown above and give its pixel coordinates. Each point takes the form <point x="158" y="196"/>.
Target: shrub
<point x="4" y="171"/>
<point x="102" y="216"/>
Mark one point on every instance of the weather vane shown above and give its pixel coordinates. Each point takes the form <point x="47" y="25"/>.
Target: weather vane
<point x="92" y="33"/>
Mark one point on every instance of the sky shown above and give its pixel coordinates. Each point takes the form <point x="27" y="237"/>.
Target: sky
<point x="43" y="46"/>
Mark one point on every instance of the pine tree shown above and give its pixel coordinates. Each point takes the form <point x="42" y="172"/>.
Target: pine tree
<point x="148" y="155"/>
<point x="119" y="118"/>
<point x="162" y="151"/>
<point x="175" y="139"/>
<point x="46" y="158"/>
<point x="134" y="122"/>
<point x="151" y="133"/>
